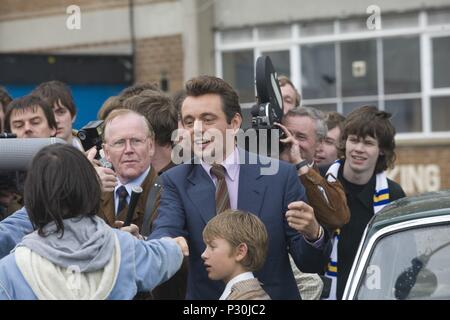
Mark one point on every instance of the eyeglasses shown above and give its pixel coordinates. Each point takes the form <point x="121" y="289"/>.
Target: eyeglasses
<point x="134" y="142"/>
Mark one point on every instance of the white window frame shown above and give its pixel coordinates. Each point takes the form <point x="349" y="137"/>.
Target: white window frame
<point x="293" y="44"/>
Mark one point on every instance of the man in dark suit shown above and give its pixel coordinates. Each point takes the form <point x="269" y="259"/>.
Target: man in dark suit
<point x="212" y="114"/>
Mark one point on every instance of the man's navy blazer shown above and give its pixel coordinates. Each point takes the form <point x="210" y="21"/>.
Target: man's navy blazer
<point x="188" y="203"/>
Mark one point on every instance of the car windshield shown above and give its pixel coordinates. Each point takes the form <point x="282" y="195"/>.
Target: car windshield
<point x="411" y="264"/>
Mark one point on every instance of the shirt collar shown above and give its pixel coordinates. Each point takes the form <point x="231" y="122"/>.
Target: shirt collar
<point x="136" y="182"/>
<point x="238" y="278"/>
<point x="231" y="165"/>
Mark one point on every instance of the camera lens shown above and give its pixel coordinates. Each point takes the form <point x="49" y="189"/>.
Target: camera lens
<point x="81" y="135"/>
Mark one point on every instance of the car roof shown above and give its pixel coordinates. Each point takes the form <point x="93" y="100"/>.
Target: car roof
<point x="411" y="208"/>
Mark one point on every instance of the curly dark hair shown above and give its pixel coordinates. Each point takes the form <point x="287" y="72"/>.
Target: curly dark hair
<point x="369" y="121"/>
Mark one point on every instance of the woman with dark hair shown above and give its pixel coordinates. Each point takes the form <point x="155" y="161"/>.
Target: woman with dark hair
<point x="73" y="254"/>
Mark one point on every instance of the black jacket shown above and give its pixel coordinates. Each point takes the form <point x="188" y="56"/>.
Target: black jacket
<point x="360" y="204"/>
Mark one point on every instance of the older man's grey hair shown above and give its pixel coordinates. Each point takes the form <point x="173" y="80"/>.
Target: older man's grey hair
<point x="316" y="115"/>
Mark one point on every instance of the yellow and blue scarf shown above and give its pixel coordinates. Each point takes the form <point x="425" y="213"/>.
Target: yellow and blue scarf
<point x="380" y="200"/>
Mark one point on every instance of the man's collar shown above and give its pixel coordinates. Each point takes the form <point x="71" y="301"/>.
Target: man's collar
<point x="135" y="182"/>
<point x="231" y="165"/>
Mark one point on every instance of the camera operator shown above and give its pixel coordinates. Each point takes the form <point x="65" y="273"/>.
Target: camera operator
<point x="58" y="95"/>
<point x="305" y="129"/>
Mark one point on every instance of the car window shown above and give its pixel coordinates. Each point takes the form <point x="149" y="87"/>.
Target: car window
<point x="411" y="264"/>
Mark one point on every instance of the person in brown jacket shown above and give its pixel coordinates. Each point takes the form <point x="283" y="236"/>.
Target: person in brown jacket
<point x="305" y="128"/>
<point x="236" y="246"/>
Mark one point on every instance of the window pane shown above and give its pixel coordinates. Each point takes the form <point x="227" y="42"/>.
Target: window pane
<point x="401" y="58"/>
<point x="440" y="114"/>
<point x="237" y="36"/>
<point x="280" y="61"/>
<point x="406" y="114"/>
<point x="316" y="29"/>
<point x="441" y="65"/>
<point x="318" y="71"/>
<point x="398" y="252"/>
<point x="439" y="17"/>
<point x="359" y="68"/>
<point x="239" y="72"/>
<point x="274" y="32"/>
<point x="350" y="106"/>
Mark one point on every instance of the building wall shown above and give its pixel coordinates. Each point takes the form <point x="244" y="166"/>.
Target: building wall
<point x="422" y="168"/>
<point x="238" y="13"/>
<point x="105" y="29"/>
<point x="158" y="58"/>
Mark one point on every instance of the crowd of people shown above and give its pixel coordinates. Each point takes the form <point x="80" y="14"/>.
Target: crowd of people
<point x="213" y="227"/>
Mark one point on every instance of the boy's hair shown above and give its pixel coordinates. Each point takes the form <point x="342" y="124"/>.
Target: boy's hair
<point x="110" y="104"/>
<point x="334" y="119"/>
<point x="61" y="184"/>
<point x="369" y="121"/>
<point x="5" y="98"/>
<point x="56" y="91"/>
<point x="137" y="89"/>
<point x="238" y="227"/>
<point x="30" y="102"/>
<point x="158" y="108"/>
<point x="202" y="85"/>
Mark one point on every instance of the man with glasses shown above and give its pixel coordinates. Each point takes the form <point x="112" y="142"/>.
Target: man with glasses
<point x="129" y="147"/>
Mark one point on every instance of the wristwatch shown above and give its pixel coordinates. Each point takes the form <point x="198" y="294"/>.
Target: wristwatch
<point x="301" y="164"/>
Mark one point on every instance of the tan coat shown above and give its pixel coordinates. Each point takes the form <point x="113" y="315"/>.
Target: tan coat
<point x="248" y="290"/>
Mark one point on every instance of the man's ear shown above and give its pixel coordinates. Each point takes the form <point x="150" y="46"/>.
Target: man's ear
<point x="241" y="252"/>
<point x="236" y="122"/>
<point x="105" y="148"/>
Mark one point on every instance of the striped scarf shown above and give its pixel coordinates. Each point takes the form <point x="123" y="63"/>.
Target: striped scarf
<point x="380" y="199"/>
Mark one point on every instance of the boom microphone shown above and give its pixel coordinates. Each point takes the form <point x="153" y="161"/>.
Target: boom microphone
<point x="136" y="192"/>
<point x="16" y="154"/>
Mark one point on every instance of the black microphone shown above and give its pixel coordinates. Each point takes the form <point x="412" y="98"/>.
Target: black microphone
<point x="136" y="192"/>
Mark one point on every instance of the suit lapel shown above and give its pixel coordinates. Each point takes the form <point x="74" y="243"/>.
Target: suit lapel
<point x="251" y="189"/>
<point x="202" y="192"/>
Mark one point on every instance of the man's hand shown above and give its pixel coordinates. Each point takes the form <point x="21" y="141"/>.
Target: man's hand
<point x="90" y="154"/>
<point x="132" y="228"/>
<point x="300" y="217"/>
<point x="181" y="241"/>
<point x="107" y="177"/>
<point x="293" y="153"/>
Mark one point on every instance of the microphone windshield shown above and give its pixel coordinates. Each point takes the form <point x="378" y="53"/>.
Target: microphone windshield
<point x="16" y="154"/>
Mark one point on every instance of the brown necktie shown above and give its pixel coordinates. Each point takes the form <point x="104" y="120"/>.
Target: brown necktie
<point x="222" y="196"/>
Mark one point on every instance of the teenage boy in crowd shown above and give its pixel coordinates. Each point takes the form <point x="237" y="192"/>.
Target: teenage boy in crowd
<point x="368" y="147"/>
